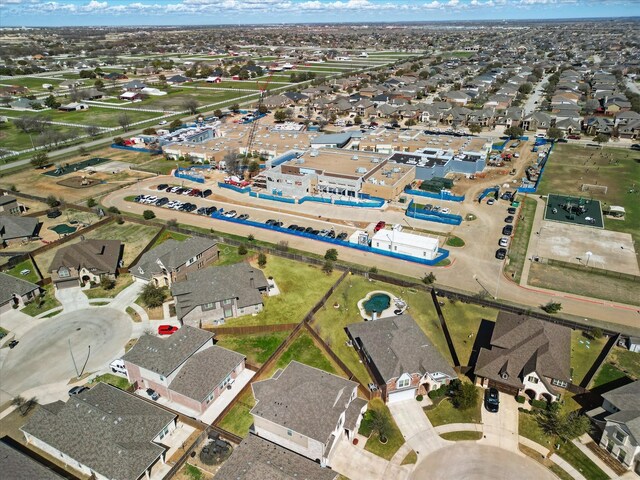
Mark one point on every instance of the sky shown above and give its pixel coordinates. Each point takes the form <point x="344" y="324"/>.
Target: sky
<point x="215" y="12"/>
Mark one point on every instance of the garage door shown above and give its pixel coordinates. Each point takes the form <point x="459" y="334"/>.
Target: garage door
<point x="67" y="283"/>
<point x="402" y="395"/>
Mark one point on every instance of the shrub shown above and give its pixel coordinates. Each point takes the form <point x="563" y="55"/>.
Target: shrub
<point x="250" y="237"/>
<point x="373" y="270"/>
<point x="152" y="296"/>
<point x="107" y="283"/>
<point x="148" y="215"/>
<point x="541" y="404"/>
<point x="327" y="267"/>
<point x="262" y="260"/>
<point x="242" y="250"/>
<point x="438" y="392"/>
<point x="419" y="398"/>
<point x="552" y="307"/>
<point x="91" y="203"/>
<point x="464" y="395"/>
<point x="429" y="278"/>
<point x="520" y="399"/>
<point x="113" y="210"/>
<point x="172" y="223"/>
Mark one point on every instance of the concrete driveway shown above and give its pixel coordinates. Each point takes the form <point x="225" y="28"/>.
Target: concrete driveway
<point x="501" y="428"/>
<point x="416" y="428"/>
<point x="471" y="461"/>
<point x="43" y="356"/>
<point x="72" y="299"/>
<point x="356" y="463"/>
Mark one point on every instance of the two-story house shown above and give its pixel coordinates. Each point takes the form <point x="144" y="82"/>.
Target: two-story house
<point x="526" y="355"/>
<point x="186" y="367"/>
<point x="207" y="297"/>
<point x="87" y="261"/>
<point x="172" y="260"/>
<point x="306" y="410"/>
<point x="402" y="360"/>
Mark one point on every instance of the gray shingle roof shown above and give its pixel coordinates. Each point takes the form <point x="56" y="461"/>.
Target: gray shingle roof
<point x="353" y="413"/>
<point x="10" y="285"/>
<point x="627" y="400"/>
<point x="397" y="345"/>
<point x="164" y="355"/>
<point x="5" y="199"/>
<point x="106" y="429"/>
<point x="12" y="226"/>
<point x="93" y="254"/>
<point x="204" y="371"/>
<point x="521" y="345"/>
<point x="15" y="465"/>
<point x="304" y="399"/>
<point x="172" y="254"/>
<point x="259" y="459"/>
<point x="214" y="284"/>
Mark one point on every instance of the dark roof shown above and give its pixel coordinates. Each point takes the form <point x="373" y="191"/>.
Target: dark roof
<point x="101" y="256"/>
<point x="259" y="459"/>
<point x="10" y="285"/>
<point x="15" y="465"/>
<point x="106" y="429"/>
<point x="397" y="345"/>
<point x="204" y="371"/>
<point x="627" y="400"/>
<point x="214" y="284"/>
<point x="12" y="226"/>
<point x="521" y="345"/>
<point x="353" y="413"/>
<point x="304" y="399"/>
<point x="5" y="199"/>
<point x="295" y="96"/>
<point x="170" y="253"/>
<point x="164" y="355"/>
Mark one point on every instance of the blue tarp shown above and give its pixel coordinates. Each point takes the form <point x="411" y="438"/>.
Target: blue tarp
<point x="486" y="192"/>
<point x="182" y="173"/>
<point x="431" y="216"/>
<point x="136" y="149"/>
<point x="441" y="196"/>
<point x="234" y="187"/>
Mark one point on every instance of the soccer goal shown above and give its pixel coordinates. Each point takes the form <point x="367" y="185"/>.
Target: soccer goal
<point x="587" y="187"/>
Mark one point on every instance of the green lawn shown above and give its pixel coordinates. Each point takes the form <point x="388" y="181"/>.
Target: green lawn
<point x="584" y="351"/>
<point x="461" y="436"/>
<point x="13" y="139"/>
<point x="167" y="234"/>
<point x="300" y="285"/>
<point x="463" y="321"/>
<point x="41" y="305"/>
<point x="239" y="420"/>
<point x="122" y="282"/>
<point x="304" y="350"/>
<point x="520" y="241"/>
<point x="229" y="254"/>
<point x="628" y="362"/>
<point x="162" y="166"/>
<point x="32" y="83"/>
<point x="607" y="373"/>
<point x="395" y="439"/>
<point x="28" y="265"/>
<point x="445" y="413"/>
<point x="115" y="380"/>
<point x="329" y="321"/>
<point x="454" y="241"/>
<point x="257" y="348"/>
<point x="410" y="459"/>
<point x="135" y="237"/>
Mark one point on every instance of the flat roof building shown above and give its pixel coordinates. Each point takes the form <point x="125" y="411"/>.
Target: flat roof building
<point x="398" y="241"/>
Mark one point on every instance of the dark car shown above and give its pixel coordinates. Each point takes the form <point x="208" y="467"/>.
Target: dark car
<point x="244" y="216"/>
<point x="54" y="214"/>
<point x="314" y="232"/>
<point x="506" y="196"/>
<point x="507" y="230"/>
<point x="342" y="236"/>
<point x="292" y="227"/>
<point x="162" y="201"/>
<point x="162" y="186"/>
<point x="331" y="234"/>
<point x="501" y="253"/>
<point x="308" y="230"/>
<point x="635" y="146"/>
<point x="562" y="140"/>
<point x="271" y="221"/>
<point x="278" y="224"/>
<point x="509" y="219"/>
<point x="206" y="193"/>
<point x="491" y="400"/>
<point x="153" y="394"/>
<point x="13" y="343"/>
<point x="77" y="391"/>
<point x="202" y="211"/>
<point x="511" y="210"/>
<point x="301" y="229"/>
<point x="191" y="207"/>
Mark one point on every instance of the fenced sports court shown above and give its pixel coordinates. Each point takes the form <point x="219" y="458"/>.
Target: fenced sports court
<point x="575" y="210"/>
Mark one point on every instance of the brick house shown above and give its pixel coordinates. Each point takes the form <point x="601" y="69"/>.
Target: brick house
<point x="15" y="292"/>
<point x="87" y="261"/>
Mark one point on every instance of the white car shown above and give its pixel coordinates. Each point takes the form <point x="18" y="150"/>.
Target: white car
<point x="230" y="214"/>
<point x="163" y="122"/>
<point x="445" y="210"/>
<point x="504" y="242"/>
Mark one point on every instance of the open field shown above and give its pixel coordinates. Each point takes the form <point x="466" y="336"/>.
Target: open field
<point x="103" y="117"/>
<point x="174" y="100"/>
<point x="237" y="84"/>
<point x="32" y="83"/>
<point x="584" y="351"/>
<point x="520" y="241"/>
<point x="134" y="237"/>
<point x="13" y="139"/>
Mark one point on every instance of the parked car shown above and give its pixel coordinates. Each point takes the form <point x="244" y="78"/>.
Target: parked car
<point x="206" y="193"/>
<point x="271" y="221"/>
<point x="278" y="224"/>
<point x="308" y="230"/>
<point x="162" y="186"/>
<point x="231" y="214"/>
<point x="635" y="146"/>
<point x="167" y="329"/>
<point x="244" y="216"/>
<point x="162" y="201"/>
<point x="511" y="210"/>
<point x="501" y="253"/>
<point x="153" y="394"/>
<point x="300" y="229"/>
<point x="379" y="226"/>
<point x="504" y="242"/>
<point x="491" y="201"/>
<point x="509" y="219"/>
<point x="292" y="227"/>
<point x="54" y="214"/>
<point x="507" y="230"/>
<point x="342" y="236"/>
<point x="574" y="137"/>
<point x="331" y="234"/>
<point x="77" y="390"/>
<point x="13" y="343"/>
<point x="26" y="271"/>
<point x="491" y="400"/>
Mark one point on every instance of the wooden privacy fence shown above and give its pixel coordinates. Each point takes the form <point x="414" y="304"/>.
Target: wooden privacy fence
<point x="251" y="329"/>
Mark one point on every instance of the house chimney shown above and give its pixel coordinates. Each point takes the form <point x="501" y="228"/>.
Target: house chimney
<point x="102" y="250"/>
<point x="252" y="283"/>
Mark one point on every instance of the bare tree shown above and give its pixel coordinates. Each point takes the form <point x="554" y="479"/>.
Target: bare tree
<point x="124" y="121"/>
<point x="92" y="130"/>
<point x="191" y="105"/>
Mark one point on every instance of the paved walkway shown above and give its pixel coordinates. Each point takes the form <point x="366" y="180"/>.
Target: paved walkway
<point x="416" y="428"/>
<point x="459" y="427"/>
<point x="225" y="398"/>
<point x="356" y="463"/>
<point x="566" y="467"/>
<point x="533" y="241"/>
<point x="580" y="443"/>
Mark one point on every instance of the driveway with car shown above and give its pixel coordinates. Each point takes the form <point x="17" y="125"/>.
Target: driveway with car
<point x="501" y="428"/>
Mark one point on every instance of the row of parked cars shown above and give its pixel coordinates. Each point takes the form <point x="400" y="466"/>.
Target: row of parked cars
<point x="191" y="192"/>
<point x="507" y="230"/>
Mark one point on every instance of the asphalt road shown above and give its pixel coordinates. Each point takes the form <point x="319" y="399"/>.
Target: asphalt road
<point x="470" y="461"/>
<point x="43" y="355"/>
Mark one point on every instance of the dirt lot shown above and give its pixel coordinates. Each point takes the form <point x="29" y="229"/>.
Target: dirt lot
<point x="609" y="250"/>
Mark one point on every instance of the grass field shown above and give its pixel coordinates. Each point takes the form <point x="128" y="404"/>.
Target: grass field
<point x="607" y="374"/>
<point x="621" y="363"/>
<point x="239" y="419"/>
<point x="257" y="348"/>
<point x="395" y="439"/>
<point x="26" y="265"/>
<point x="300" y="285"/>
<point x="462" y="436"/>
<point x="329" y="321"/>
<point x="133" y="235"/>
<point x="13" y="139"/>
<point x="445" y="413"/>
<point x="229" y="255"/>
<point x="243" y="85"/>
<point x="520" y="241"/>
<point x="175" y="98"/>
<point x="569" y="166"/>
<point x="161" y="165"/>
<point x="584" y="351"/>
<point x="44" y="303"/>
<point x="116" y="381"/>
<point x="166" y="235"/>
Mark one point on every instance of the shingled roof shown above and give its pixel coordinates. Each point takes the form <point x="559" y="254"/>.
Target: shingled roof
<point x="214" y="284"/>
<point x="104" y="428"/>
<point x="164" y="355"/>
<point x="627" y="400"/>
<point x="397" y="345"/>
<point x="256" y="458"/>
<point x="18" y="466"/>
<point x="304" y="399"/>
<point x="521" y="345"/>
<point x="12" y="226"/>
<point x="10" y="285"/>
<point x="99" y="256"/>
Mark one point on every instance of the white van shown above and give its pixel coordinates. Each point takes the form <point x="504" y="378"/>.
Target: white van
<point x="117" y="366"/>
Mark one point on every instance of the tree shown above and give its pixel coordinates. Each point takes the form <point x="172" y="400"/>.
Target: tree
<point x="327" y="267"/>
<point x="52" y="201"/>
<point x="428" y="278"/>
<point x="39" y="160"/>
<point x="231" y="162"/>
<point x="565" y="425"/>
<point x="596" y="333"/>
<point x="552" y="307"/>
<point x="118" y="141"/>
<point x="152" y="296"/>
<point x="514" y="132"/>
<point x="99" y="84"/>
<point x="149" y="131"/>
<point x="218" y="113"/>
<point x="475" y="128"/>
<point x="380" y="423"/>
<point x="280" y="116"/>
<point x="114" y="210"/>
<point x="262" y="260"/>
<point x="172" y="223"/>
<point x="254" y="167"/>
<point x="191" y="105"/>
<point x="124" y="121"/>
<point x="525" y="88"/>
<point x="242" y="249"/>
<point x="357" y="120"/>
<point x="91" y="203"/>
<point x="555" y="133"/>
<point x="331" y="254"/>
<point x="464" y="395"/>
<point x="148" y="214"/>
<point x="235" y="107"/>
<point x="51" y="102"/>
<point x="262" y="109"/>
<point x="107" y="283"/>
<point x="92" y="130"/>
<point x="175" y="124"/>
<point x="601" y="138"/>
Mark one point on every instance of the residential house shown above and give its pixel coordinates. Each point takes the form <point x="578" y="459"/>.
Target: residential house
<point x="18" y="466"/>
<point x="73" y="107"/>
<point x="537" y="121"/>
<point x="131" y="96"/>
<point x="87" y="261"/>
<point x="258" y="459"/>
<point x="14" y="229"/>
<point x="9" y="205"/>
<point x="296" y="97"/>
<point x="276" y="101"/>
<point x="115" y="76"/>
<point x="186" y="367"/>
<point x="402" y="360"/>
<point x="15" y="292"/>
<point x="23" y="104"/>
<point x="619" y="420"/>
<point x="134" y="86"/>
<point x="527" y="356"/>
<point x="172" y="260"/>
<point x="208" y="297"/>
<point x="104" y="432"/>
<point x="456" y="97"/>
<point x="616" y="104"/>
<point x="177" y="80"/>
<point x="596" y="125"/>
<point x="306" y="410"/>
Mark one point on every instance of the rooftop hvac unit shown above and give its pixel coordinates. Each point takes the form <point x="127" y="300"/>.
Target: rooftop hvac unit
<point x="361" y="170"/>
<point x="395" y="170"/>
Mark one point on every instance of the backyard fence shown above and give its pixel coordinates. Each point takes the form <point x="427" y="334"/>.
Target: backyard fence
<point x="251" y="329"/>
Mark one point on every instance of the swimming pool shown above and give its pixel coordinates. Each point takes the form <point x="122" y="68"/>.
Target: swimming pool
<point x="378" y="303"/>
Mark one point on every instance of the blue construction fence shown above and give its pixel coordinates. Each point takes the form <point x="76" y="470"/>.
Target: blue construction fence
<point x="136" y="149"/>
<point x="235" y="188"/>
<point x="181" y="173"/>
<point x="431" y="216"/>
<point x="443" y="253"/>
<point x="372" y="202"/>
<point x="443" y="195"/>
<point x="486" y="192"/>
